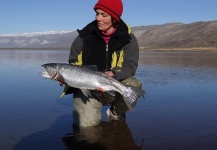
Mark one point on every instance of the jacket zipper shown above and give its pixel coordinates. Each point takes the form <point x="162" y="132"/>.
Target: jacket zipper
<point x="106" y="56"/>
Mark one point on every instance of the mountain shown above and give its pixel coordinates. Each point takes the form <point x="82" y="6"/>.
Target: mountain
<point x="170" y="35"/>
<point x="178" y="35"/>
<point x="51" y="39"/>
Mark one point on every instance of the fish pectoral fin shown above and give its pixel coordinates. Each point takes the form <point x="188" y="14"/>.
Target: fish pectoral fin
<point x="112" y="93"/>
<point x="86" y="92"/>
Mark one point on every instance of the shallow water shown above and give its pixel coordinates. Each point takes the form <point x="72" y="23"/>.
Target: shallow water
<point x="178" y="111"/>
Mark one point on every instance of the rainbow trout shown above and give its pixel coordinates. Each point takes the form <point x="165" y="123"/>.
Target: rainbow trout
<point x="86" y="79"/>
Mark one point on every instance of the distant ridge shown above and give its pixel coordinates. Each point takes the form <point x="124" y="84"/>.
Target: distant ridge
<point x="31" y="34"/>
<point x="178" y="35"/>
<point x="38" y="40"/>
<point x="165" y="36"/>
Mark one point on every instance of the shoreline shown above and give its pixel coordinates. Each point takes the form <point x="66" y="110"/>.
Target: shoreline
<point x="178" y="49"/>
<point x="148" y="49"/>
<point x="45" y="48"/>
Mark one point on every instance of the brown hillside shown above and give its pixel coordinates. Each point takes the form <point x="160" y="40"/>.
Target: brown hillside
<point x="177" y="35"/>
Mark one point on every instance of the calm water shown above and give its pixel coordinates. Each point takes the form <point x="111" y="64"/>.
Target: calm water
<point x="178" y="111"/>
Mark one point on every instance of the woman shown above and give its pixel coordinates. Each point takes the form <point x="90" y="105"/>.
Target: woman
<point x="108" y="43"/>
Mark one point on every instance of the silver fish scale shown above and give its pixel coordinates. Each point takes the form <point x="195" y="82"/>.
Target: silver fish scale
<point x="85" y="78"/>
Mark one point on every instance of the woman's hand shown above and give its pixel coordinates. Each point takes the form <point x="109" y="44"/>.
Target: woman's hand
<point x="110" y="73"/>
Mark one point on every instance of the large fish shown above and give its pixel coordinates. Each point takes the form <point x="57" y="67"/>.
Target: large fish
<point x="86" y="78"/>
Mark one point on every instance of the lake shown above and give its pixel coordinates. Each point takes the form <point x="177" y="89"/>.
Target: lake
<point x="178" y="111"/>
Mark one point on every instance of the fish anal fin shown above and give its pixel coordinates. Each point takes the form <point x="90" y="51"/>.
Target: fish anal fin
<point x="86" y="92"/>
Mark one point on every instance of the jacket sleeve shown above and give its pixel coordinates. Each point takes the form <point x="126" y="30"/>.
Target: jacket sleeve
<point x="130" y="60"/>
<point x="75" y="56"/>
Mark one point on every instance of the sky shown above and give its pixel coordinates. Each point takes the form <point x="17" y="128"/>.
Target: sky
<point x="51" y="15"/>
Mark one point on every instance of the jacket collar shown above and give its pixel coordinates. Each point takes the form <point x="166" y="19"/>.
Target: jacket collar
<point x="121" y="34"/>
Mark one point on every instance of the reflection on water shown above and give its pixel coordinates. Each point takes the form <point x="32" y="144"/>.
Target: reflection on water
<point x="33" y="57"/>
<point x="113" y="135"/>
<point x="179" y="58"/>
<point x="178" y="111"/>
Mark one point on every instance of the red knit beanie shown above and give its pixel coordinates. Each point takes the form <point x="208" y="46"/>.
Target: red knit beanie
<point x="113" y="7"/>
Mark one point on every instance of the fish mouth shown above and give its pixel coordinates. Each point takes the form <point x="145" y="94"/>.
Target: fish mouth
<point x="44" y="73"/>
<point x="50" y="74"/>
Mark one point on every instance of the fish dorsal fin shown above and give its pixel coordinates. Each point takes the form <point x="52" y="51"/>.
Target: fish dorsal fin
<point x="91" y="67"/>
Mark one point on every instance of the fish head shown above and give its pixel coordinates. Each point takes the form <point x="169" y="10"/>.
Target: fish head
<point x="50" y="71"/>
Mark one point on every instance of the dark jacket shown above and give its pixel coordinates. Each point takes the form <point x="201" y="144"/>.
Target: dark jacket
<point x="121" y="55"/>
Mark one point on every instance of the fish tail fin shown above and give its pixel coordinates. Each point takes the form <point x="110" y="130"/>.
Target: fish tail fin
<point x="134" y="94"/>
